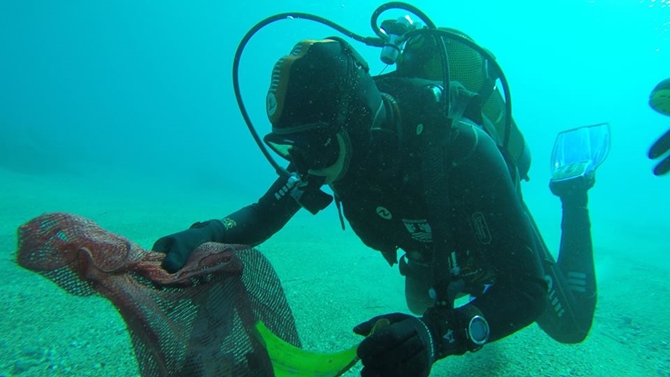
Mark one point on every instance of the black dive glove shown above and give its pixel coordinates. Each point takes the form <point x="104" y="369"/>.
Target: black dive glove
<point x="403" y="348"/>
<point x="179" y="246"/>
<point x="409" y="346"/>
<point x="658" y="150"/>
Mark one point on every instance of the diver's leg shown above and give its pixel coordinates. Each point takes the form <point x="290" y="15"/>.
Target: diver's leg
<point x="575" y="260"/>
<point x="572" y="281"/>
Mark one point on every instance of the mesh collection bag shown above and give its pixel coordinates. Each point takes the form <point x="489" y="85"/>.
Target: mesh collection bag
<point x="197" y="322"/>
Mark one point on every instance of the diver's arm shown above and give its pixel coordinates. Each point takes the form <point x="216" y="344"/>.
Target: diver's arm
<point x="257" y="222"/>
<point x="250" y="225"/>
<point x="518" y="296"/>
<point x="481" y="189"/>
<point x="485" y="215"/>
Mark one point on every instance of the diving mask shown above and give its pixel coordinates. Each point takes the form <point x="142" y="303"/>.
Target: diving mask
<point x="309" y="147"/>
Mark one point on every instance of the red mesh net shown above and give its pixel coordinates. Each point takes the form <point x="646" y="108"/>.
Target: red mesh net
<point x="196" y="322"/>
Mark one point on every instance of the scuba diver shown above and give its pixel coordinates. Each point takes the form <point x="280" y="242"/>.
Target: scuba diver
<point x="424" y="160"/>
<point x="659" y="100"/>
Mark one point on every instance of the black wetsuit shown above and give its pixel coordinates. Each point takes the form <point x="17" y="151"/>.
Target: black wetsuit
<point x="496" y="255"/>
<point x="492" y="250"/>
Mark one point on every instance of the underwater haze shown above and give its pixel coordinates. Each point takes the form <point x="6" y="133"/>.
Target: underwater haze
<point x="124" y="112"/>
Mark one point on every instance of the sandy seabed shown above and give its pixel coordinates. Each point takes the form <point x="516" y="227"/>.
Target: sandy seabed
<point x="332" y="282"/>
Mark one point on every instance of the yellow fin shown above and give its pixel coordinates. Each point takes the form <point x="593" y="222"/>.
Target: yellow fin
<point x="291" y="361"/>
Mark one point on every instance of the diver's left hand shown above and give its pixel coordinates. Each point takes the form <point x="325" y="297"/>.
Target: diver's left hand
<point x="660" y="148"/>
<point x="405" y="347"/>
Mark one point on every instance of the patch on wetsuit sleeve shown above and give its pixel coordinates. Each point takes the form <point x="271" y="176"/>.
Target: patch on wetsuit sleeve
<point x="228" y="223"/>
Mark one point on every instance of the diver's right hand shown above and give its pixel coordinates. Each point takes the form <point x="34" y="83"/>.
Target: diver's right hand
<point x="179" y="246"/>
<point x="661" y="147"/>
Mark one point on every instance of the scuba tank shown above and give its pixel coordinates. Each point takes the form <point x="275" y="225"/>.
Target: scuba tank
<point x="477" y="74"/>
